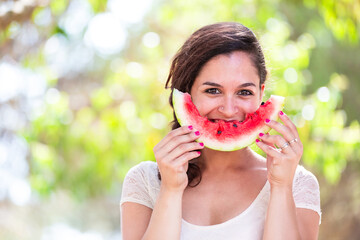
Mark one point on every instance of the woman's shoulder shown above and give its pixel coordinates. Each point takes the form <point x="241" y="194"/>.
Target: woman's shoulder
<point x="141" y="184"/>
<point x="145" y="166"/>
<point x="306" y="190"/>
<point x="146" y="170"/>
<point x="303" y="175"/>
<point x="306" y="184"/>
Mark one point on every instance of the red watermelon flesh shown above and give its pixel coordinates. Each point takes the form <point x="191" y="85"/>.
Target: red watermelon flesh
<point x="223" y="135"/>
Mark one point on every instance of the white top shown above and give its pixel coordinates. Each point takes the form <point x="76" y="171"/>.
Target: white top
<point x="141" y="185"/>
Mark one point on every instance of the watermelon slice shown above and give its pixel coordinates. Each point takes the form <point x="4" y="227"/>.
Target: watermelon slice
<point x="224" y="135"/>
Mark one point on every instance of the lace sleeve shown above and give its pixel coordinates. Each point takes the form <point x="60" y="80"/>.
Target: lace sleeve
<point x="135" y="187"/>
<point x="306" y="191"/>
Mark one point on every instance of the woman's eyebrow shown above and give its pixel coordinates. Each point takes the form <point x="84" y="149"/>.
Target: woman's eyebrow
<point x="212" y="84"/>
<point x="248" y="84"/>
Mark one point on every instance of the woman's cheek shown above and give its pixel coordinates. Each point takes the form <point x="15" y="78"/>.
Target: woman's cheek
<point x="249" y="107"/>
<point x="204" y="109"/>
<point x="205" y="106"/>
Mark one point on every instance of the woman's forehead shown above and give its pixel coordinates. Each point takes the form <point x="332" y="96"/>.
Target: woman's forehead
<point x="236" y="68"/>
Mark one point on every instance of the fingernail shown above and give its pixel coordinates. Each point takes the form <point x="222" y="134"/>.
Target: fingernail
<point x="261" y="134"/>
<point x="267" y="120"/>
<point x="281" y="113"/>
<point x="190" y="127"/>
<point x="257" y="140"/>
<point x="197" y="133"/>
<point x="199" y="152"/>
<point x="201" y="144"/>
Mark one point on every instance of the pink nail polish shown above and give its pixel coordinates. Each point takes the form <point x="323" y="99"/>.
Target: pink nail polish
<point x="199" y="152"/>
<point x="281" y="113"/>
<point x="267" y="120"/>
<point x="190" y="127"/>
<point x="197" y="133"/>
<point x="201" y="144"/>
<point x="257" y="140"/>
<point x="261" y="134"/>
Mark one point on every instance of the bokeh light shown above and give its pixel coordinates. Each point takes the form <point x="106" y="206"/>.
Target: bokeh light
<point x="308" y="112"/>
<point x="82" y="90"/>
<point x="323" y="94"/>
<point x="106" y="34"/>
<point x="129" y="11"/>
<point x="290" y="75"/>
<point x="151" y="39"/>
<point x="134" y="69"/>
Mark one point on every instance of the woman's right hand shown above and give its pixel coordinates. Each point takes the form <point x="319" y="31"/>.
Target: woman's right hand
<point x="172" y="155"/>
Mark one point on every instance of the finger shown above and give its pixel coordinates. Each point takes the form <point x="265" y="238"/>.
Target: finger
<point x="276" y="140"/>
<point x="186" y="157"/>
<point x="264" y="140"/>
<point x="296" y="145"/>
<point x="287" y="122"/>
<point x="172" y="134"/>
<point x="176" y="142"/>
<point x="269" y="150"/>
<point x="183" y="148"/>
<point x="295" y="142"/>
<point x="280" y="128"/>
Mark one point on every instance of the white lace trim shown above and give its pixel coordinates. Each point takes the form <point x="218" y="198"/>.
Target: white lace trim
<point x="141" y="185"/>
<point x="306" y="190"/>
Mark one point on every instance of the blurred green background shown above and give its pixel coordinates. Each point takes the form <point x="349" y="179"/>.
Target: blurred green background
<point x="82" y="100"/>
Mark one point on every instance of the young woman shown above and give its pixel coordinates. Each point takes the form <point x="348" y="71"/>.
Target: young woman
<point x="192" y="192"/>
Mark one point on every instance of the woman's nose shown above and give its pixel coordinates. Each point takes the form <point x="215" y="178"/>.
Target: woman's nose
<point x="228" y="107"/>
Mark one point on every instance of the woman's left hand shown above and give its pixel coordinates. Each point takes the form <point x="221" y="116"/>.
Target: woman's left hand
<point x="281" y="161"/>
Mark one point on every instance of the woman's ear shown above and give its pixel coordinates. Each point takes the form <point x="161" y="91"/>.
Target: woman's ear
<point x="262" y="90"/>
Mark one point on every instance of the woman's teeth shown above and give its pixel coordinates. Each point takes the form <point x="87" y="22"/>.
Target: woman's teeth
<point x="217" y="120"/>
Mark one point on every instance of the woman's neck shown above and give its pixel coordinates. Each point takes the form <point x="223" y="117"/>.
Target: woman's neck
<point x="218" y="161"/>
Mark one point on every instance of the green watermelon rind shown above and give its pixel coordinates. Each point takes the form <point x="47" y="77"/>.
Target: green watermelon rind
<point x="233" y="144"/>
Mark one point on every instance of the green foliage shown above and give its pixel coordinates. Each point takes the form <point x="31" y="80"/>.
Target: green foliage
<point x="58" y="6"/>
<point x="97" y="5"/>
<point x="342" y="17"/>
<point x="88" y="149"/>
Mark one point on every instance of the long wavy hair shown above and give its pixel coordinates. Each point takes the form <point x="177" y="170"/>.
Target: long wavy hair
<point x="204" y="44"/>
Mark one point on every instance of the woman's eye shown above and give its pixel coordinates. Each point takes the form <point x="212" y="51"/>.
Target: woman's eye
<point x="245" y="92"/>
<point x="212" y="91"/>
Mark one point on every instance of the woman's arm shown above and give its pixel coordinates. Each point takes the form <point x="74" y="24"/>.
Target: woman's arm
<point x="285" y="221"/>
<point x="163" y="222"/>
<point x="172" y="155"/>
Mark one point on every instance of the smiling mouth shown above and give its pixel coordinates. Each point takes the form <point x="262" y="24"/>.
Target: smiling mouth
<point x="217" y="120"/>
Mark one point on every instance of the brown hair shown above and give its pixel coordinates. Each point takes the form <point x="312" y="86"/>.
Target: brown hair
<point x="204" y="44"/>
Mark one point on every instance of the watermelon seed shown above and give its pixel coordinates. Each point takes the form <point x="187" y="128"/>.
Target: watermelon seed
<point x="219" y="132"/>
<point x="234" y="125"/>
<point x="262" y="103"/>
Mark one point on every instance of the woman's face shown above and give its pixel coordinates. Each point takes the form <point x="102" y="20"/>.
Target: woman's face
<point x="227" y="88"/>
